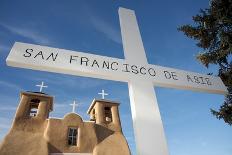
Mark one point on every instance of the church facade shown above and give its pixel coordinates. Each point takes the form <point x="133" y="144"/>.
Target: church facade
<point x="34" y="133"/>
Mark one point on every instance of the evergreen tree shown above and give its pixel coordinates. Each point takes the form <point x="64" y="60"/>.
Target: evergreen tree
<point x="213" y="31"/>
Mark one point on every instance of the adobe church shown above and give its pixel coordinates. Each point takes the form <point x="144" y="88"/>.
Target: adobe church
<point x="34" y="133"/>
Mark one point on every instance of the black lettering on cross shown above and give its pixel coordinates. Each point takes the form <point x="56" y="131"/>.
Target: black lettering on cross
<point x="72" y="57"/>
<point x="189" y="78"/>
<point x="28" y="53"/>
<point x="84" y="60"/>
<point x="170" y="75"/>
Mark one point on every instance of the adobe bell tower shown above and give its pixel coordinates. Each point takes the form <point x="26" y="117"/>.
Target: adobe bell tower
<point x="29" y="126"/>
<point x="106" y="113"/>
<point x="33" y="110"/>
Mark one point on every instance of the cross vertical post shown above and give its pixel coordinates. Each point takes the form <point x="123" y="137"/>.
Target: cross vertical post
<point x="148" y="127"/>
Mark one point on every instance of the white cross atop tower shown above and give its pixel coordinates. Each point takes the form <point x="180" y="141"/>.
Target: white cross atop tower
<point x="74" y="105"/>
<point x="41" y="86"/>
<point x="103" y="94"/>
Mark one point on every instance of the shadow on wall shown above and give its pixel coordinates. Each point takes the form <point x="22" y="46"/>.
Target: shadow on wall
<point x="102" y="132"/>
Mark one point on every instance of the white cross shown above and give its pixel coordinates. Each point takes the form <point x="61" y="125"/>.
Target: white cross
<point x="134" y="70"/>
<point x="41" y="86"/>
<point x="74" y="105"/>
<point x="103" y="94"/>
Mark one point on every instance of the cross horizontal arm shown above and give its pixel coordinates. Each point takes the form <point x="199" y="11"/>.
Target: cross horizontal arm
<point x="82" y="64"/>
<point x="180" y="79"/>
<point x="63" y="61"/>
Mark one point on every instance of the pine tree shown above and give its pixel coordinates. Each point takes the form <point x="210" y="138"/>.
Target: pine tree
<point x="213" y="31"/>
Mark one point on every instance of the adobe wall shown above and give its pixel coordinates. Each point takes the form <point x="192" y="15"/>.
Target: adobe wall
<point x="41" y="136"/>
<point x="115" y="144"/>
<point x="25" y="138"/>
<point x="92" y="138"/>
<point x="57" y="130"/>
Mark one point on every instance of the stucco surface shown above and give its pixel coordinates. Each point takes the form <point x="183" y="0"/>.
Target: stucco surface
<point x="41" y="135"/>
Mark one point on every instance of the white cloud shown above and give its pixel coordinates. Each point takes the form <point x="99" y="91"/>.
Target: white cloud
<point x="10" y="85"/>
<point x="105" y="28"/>
<point x="57" y="105"/>
<point x="61" y="109"/>
<point x="70" y="81"/>
<point x="5" y="123"/>
<point x="8" y="108"/>
<point x="28" y="33"/>
<point x="102" y="26"/>
<point x="203" y="144"/>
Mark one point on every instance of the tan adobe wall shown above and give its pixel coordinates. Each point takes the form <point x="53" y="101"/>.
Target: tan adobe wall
<point x="41" y="136"/>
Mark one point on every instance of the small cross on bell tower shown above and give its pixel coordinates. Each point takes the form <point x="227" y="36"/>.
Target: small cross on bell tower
<point x="103" y="94"/>
<point x="41" y="86"/>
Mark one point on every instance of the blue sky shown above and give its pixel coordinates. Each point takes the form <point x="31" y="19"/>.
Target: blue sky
<point x="93" y="27"/>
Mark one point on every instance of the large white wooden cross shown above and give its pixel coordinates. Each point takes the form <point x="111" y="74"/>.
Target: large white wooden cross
<point x="134" y="69"/>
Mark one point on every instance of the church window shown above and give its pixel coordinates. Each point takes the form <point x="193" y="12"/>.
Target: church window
<point x="72" y="136"/>
<point x="108" y="114"/>
<point x="34" y="105"/>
